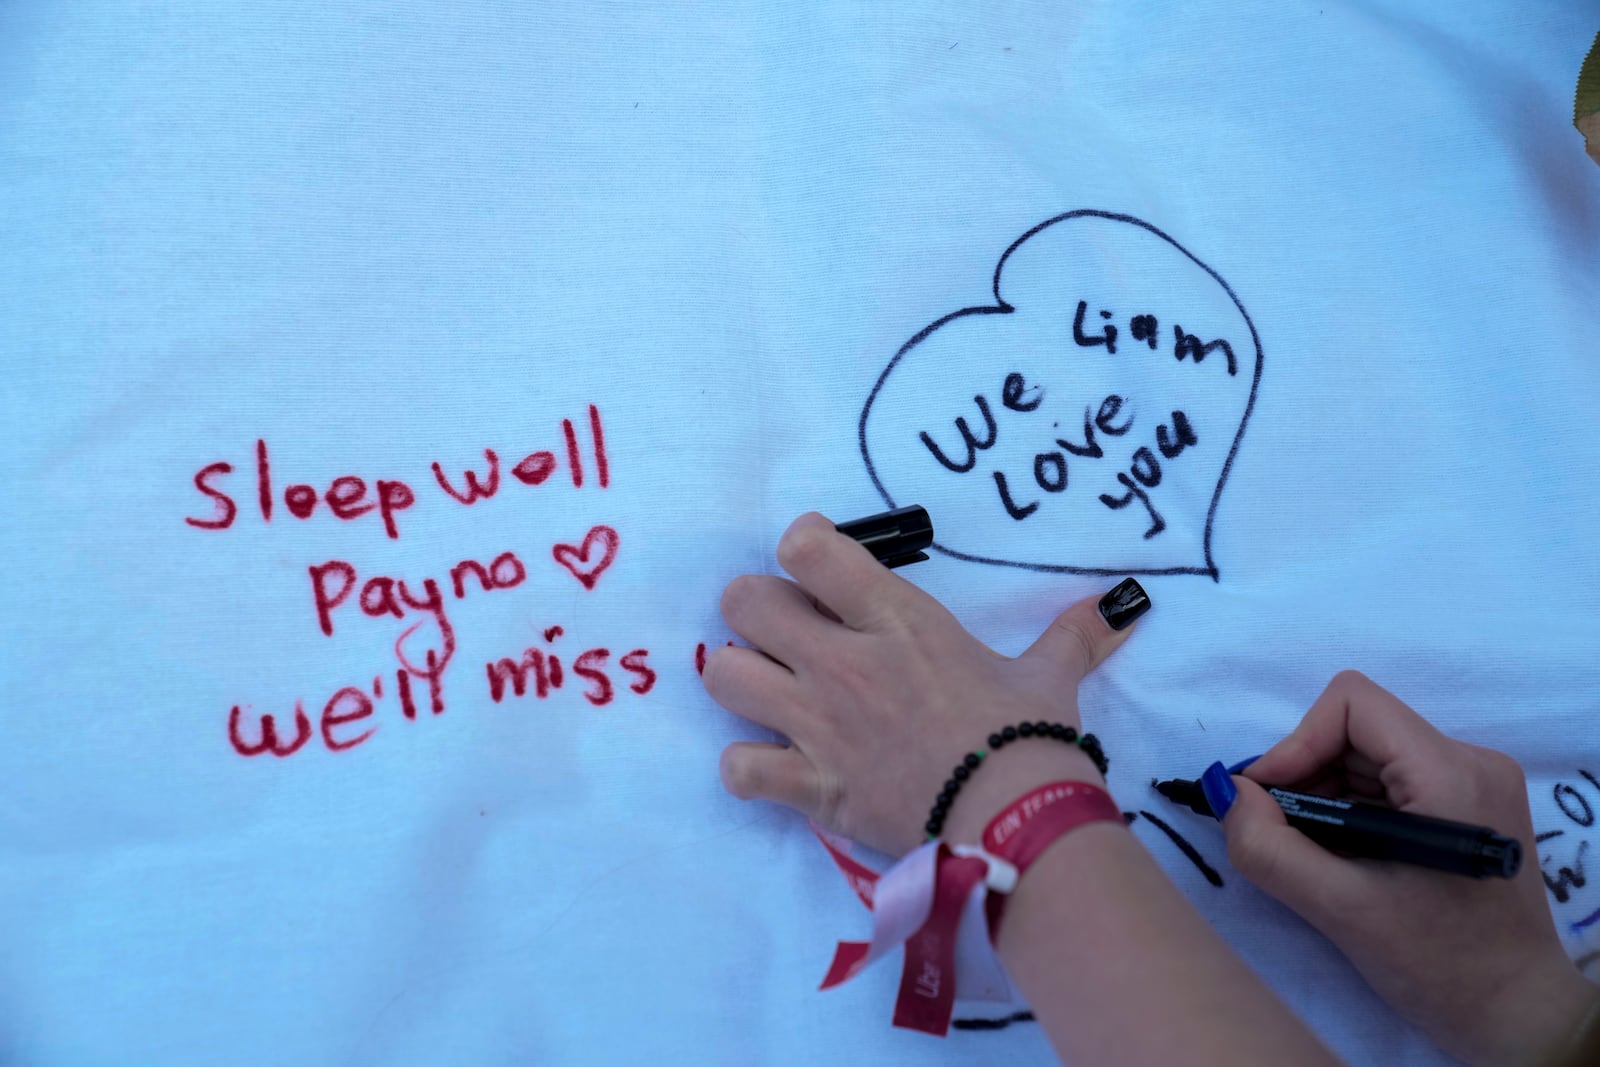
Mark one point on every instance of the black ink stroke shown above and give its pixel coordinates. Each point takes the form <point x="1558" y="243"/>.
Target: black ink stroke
<point x="1566" y="879"/>
<point x="1187" y="344"/>
<point x="1001" y="307"/>
<point x="1018" y="513"/>
<point x="992" y="1024"/>
<point x="968" y="438"/>
<point x="1117" y="503"/>
<point x="1187" y="849"/>
<point x="1559" y="794"/>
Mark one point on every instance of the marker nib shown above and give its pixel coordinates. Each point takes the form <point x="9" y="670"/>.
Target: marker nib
<point x="1187" y="794"/>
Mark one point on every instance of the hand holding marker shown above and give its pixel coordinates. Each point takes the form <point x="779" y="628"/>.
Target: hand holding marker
<point x="1368" y="830"/>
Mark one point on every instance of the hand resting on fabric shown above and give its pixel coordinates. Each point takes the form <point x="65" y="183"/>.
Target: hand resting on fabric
<point x="880" y="691"/>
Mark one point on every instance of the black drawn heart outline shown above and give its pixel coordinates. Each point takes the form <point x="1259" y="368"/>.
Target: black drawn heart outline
<point x="1000" y="307"/>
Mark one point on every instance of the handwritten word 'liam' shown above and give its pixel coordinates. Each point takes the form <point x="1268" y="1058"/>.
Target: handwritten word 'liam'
<point x="1145" y="328"/>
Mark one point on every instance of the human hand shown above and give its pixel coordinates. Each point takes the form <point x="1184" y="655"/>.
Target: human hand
<point x="1476" y="964"/>
<point x="880" y="692"/>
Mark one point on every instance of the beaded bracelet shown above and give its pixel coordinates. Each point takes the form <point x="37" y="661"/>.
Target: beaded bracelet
<point x="1089" y="743"/>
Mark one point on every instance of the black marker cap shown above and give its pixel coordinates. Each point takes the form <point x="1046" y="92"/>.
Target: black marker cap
<point x="1496" y="856"/>
<point x="894" y="538"/>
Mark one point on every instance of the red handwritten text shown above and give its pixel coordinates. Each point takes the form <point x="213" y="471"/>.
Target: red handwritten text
<point x="332" y="583"/>
<point x="346" y="497"/>
<point x="347" y="707"/>
<point x="542" y="668"/>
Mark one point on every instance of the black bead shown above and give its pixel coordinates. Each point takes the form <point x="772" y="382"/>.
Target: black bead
<point x="933" y="827"/>
<point x="1042" y="729"/>
<point x="1069" y="735"/>
<point x="972" y="760"/>
<point x="961" y="774"/>
<point x="995" y="740"/>
<point x="952" y="786"/>
<point x="948" y="795"/>
<point x="941" y="806"/>
<point x="1057" y="731"/>
<point x="1009" y="733"/>
<point x="1025" y="729"/>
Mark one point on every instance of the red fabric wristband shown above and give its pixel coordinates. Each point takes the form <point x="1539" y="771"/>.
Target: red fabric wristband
<point x="922" y="899"/>
<point x="1035" y="821"/>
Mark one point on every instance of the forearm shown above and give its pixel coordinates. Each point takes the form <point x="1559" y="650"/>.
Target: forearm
<point x="1147" y="980"/>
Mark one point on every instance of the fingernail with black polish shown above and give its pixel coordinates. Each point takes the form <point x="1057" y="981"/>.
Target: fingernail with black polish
<point x="1123" y="604"/>
<point x="1219" y="789"/>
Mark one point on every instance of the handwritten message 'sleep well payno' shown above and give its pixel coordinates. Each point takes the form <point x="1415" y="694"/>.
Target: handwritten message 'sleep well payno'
<point x="426" y="643"/>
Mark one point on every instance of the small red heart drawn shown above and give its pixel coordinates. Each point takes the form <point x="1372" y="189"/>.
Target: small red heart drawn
<point x="576" y="559"/>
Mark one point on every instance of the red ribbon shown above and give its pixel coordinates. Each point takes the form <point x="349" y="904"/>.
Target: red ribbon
<point x="930" y="928"/>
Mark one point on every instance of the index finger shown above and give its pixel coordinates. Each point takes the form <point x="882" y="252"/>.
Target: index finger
<point x="839" y="573"/>
<point x="1353" y="713"/>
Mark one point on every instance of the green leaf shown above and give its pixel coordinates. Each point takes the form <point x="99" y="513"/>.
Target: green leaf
<point x="1587" y="100"/>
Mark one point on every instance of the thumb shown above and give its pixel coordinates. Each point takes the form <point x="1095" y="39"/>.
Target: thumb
<point x="1082" y="637"/>
<point x="1286" y="864"/>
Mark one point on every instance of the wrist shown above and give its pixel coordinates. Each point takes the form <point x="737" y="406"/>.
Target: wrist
<point x="1008" y="773"/>
<point x="1536" y="1021"/>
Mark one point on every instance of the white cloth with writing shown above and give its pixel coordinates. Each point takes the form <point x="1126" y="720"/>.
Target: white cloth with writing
<point x="251" y="253"/>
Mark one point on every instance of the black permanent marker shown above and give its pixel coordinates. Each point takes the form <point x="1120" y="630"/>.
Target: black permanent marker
<point x="1376" y="832"/>
<point x="894" y="538"/>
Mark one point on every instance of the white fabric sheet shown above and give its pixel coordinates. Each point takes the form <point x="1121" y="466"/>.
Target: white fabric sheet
<point x="379" y="237"/>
